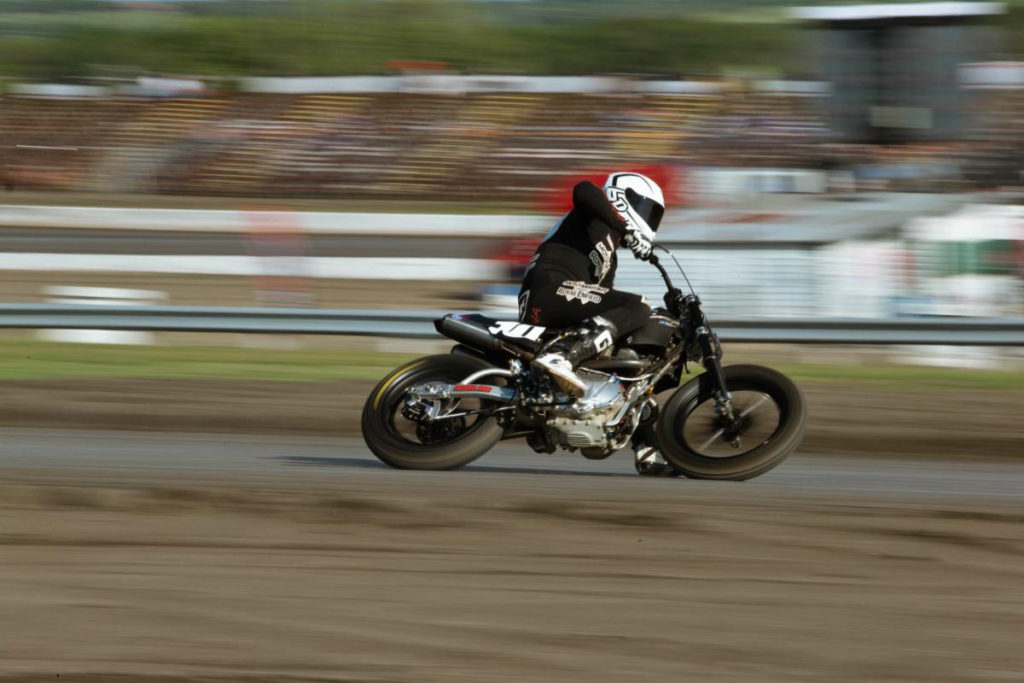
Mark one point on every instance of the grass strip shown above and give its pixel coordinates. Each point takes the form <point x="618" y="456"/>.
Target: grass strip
<point x="34" y="360"/>
<point x="24" y="360"/>
<point x="908" y="376"/>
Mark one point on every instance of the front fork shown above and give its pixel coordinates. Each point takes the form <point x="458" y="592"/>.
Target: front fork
<point x="730" y="422"/>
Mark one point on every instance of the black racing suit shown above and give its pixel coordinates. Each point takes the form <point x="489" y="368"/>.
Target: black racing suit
<point x="571" y="275"/>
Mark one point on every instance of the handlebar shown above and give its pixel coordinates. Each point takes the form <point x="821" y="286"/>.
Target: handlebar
<point x="675" y="300"/>
<point x="653" y="260"/>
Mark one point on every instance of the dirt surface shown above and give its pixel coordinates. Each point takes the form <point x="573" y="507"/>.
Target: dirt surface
<point x="497" y="577"/>
<point x="845" y="418"/>
<point x="328" y="570"/>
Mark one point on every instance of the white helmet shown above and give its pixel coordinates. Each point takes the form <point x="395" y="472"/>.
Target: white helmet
<point x="637" y="194"/>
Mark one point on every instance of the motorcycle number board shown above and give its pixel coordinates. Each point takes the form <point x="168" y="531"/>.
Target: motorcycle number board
<point x="516" y="330"/>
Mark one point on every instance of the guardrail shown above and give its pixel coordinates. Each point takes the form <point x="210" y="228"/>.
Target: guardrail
<point x="951" y="331"/>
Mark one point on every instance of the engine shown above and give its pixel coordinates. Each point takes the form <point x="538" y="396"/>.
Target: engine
<point x="582" y="424"/>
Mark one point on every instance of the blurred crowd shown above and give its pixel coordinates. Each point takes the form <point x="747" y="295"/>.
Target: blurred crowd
<point x="507" y="146"/>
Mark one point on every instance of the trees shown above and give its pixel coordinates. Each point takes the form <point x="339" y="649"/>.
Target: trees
<point x="336" y="37"/>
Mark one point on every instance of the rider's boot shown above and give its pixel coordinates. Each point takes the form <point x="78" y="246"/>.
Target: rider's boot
<point x="562" y="366"/>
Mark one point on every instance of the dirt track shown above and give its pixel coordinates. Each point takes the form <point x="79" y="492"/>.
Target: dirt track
<point x="861" y="419"/>
<point x="493" y="578"/>
<point x="358" y="574"/>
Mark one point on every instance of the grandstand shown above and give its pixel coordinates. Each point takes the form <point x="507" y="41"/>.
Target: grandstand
<point x="460" y="145"/>
<point x="54" y="143"/>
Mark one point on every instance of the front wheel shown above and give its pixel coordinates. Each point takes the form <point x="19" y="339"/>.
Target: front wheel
<point x="441" y="445"/>
<point x="773" y="418"/>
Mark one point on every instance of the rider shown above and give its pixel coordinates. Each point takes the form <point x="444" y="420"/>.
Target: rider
<point x="569" y="281"/>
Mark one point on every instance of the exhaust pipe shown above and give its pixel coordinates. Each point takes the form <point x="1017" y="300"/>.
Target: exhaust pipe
<point x="468" y="333"/>
<point x="433" y="391"/>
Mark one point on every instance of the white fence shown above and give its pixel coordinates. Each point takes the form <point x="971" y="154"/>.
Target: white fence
<point x="311" y="222"/>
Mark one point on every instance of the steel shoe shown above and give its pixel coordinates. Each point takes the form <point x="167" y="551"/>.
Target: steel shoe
<point x="650" y="463"/>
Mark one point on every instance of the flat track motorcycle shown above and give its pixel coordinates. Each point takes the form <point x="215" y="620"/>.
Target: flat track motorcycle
<point x="444" y="411"/>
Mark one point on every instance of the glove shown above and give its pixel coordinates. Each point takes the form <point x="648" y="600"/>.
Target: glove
<point x="638" y="244"/>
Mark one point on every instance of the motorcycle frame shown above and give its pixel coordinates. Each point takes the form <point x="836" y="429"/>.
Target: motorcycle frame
<point x="686" y="308"/>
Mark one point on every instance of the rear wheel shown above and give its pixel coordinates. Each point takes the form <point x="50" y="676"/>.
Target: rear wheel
<point x="773" y="418"/>
<point x="441" y="445"/>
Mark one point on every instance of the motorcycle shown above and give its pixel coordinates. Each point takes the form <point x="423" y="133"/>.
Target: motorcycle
<point x="729" y="422"/>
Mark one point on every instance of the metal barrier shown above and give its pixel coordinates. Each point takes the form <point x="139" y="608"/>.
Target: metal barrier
<point x="947" y="331"/>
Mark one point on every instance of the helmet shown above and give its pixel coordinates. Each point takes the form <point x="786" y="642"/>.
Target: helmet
<point x="641" y="193"/>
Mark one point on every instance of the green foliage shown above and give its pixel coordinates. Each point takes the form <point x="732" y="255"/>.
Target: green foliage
<point x="61" y="38"/>
<point x="53" y="6"/>
<point x="323" y="37"/>
<point x="1013" y="27"/>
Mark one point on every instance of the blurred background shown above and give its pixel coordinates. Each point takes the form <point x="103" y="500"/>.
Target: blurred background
<point x="836" y="161"/>
<point x="821" y="162"/>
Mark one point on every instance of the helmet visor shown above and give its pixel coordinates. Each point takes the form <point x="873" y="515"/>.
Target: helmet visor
<point x="645" y="207"/>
